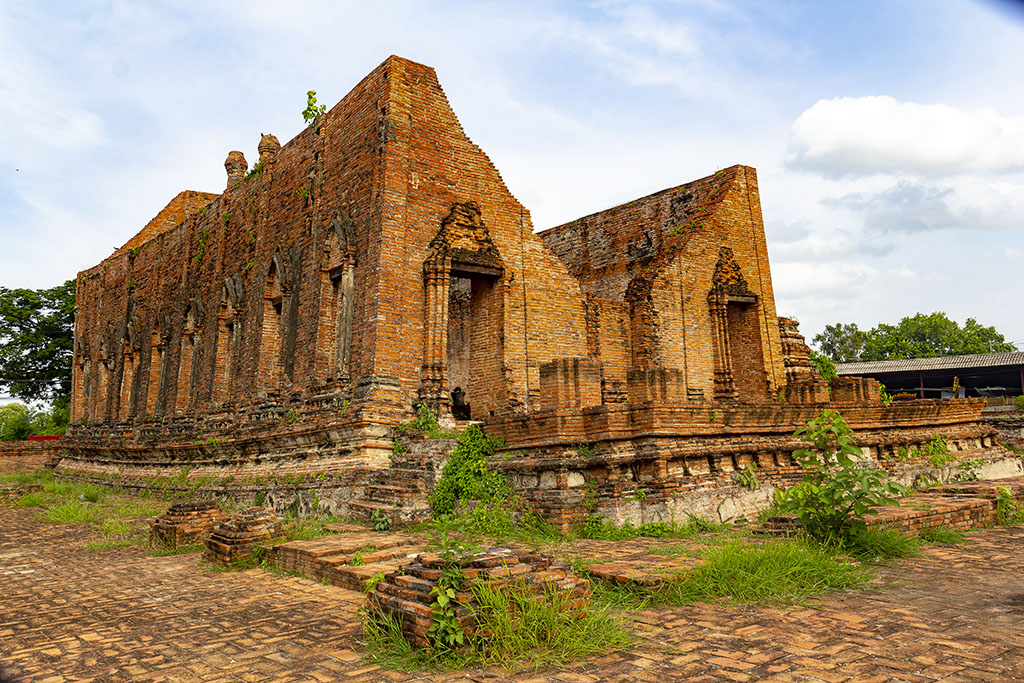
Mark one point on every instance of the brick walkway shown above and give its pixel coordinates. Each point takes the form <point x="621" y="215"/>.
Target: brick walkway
<point x="955" y="614"/>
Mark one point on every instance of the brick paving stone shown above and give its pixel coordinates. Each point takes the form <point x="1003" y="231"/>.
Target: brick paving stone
<point x="953" y="614"/>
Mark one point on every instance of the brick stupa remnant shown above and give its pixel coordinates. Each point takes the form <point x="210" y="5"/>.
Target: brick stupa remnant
<point x="377" y="261"/>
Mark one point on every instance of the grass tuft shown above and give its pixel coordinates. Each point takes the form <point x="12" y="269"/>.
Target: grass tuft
<point x="942" y="535"/>
<point x="73" y="512"/>
<point x="31" y="500"/>
<point x="521" y="632"/>
<point x="774" y="572"/>
<point x="882" y="544"/>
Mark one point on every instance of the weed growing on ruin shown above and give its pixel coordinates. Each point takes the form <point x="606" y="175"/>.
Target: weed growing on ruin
<point x="836" y="492"/>
<point x="312" y="113"/>
<point x="255" y="172"/>
<point x="942" y="535"/>
<point x="1009" y="512"/>
<point x="1019" y="402"/>
<point x="937" y="452"/>
<point x="303" y="192"/>
<point x="356" y="560"/>
<point x="371" y="583"/>
<point x="884" y="396"/>
<point x="380" y="521"/>
<point x="969" y="470"/>
<point x="747" y="477"/>
<point x="585" y="450"/>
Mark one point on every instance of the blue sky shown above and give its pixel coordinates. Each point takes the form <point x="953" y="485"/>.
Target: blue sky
<point x="888" y="136"/>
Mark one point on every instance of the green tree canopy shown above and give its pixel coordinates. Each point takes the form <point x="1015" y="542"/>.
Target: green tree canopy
<point x="918" y="336"/>
<point x="36" y="342"/>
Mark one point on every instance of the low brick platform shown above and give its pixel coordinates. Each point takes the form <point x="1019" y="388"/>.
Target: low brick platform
<point x="238" y="537"/>
<point x="930" y="510"/>
<point x="332" y="557"/>
<point x="185" y="523"/>
<point x="406" y="594"/>
<point x="986" y="488"/>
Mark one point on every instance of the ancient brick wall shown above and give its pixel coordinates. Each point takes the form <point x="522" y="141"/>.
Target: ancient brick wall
<point x="660" y="259"/>
<point x="26" y="456"/>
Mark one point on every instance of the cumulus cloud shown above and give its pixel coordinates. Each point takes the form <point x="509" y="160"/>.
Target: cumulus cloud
<point x="912" y="206"/>
<point x="818" y="247"/>
<point x="852" y="136"/>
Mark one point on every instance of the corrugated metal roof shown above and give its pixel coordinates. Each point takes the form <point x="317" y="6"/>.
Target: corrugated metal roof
<point x="980" y="360"/>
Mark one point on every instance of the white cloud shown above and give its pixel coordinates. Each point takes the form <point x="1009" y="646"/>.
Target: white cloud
<point x="965" y="204"/>
<point x="849" y="136"/>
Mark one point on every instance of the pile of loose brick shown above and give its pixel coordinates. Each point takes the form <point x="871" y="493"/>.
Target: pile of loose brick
<point x="406" y="594"/>
<point x="185" y="523"/>
<point x="238" y="537"/>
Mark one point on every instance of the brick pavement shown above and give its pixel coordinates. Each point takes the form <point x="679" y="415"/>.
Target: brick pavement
<point x="955" y="614"/>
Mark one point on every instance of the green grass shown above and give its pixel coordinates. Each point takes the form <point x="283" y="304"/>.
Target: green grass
<point x="522" y="633"/>
<point x="773" y="572"/>
<point x="942" y="535"/>
<point x="881" y="544"/>
<point x="111" y="543"/>
<point x="31" y="500"/>
<point x="296" y="529"/>
<point x="37" y="477"/>
<point x="73" y="512"/>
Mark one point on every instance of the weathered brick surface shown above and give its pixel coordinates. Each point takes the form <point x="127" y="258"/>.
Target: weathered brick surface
<point x="24" y="456"/>
<point x="954" y="614"/>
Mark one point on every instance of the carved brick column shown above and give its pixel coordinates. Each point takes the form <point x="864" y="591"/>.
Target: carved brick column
<point x="725" y="386"/>
<point x="434" y="375"/>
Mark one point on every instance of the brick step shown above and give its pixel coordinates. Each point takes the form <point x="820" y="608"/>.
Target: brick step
<point x="413" y="511"/>
<point x="385" y="493"/>
<point x="402" y="478"/>
<point x="355" y="577"/>
<point x="308" y="556"/>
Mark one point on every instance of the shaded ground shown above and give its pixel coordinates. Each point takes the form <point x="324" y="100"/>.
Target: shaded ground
<point x="954" y="614"/>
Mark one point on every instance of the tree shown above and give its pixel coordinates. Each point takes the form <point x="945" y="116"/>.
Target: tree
<point x="918" y="336"/>
<point x="842" y="342"/>
<point x="36" y="343"/>
<point x="15" y="422"/>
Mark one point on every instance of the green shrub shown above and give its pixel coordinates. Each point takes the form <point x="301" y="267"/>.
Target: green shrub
<point x="1019" y="402"/>
<point x="836" y="492"/>
<point x="466" y="476"/>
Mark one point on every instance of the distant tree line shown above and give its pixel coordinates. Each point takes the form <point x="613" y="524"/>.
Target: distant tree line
<point x="918" y="336"/>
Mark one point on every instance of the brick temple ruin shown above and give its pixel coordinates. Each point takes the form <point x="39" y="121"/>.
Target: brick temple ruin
<point x="632" y="359"/>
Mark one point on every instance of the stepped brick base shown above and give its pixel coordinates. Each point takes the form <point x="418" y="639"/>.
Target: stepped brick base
<point x="185" y="523"/>
<point x="347" y="559"/>
<point x="406" y="594"/>
<point x="236" y="538"/>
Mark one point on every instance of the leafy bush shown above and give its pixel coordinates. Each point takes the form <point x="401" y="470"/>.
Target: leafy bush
<point x="836" y="492"/>
<point x="1019" y="402"/>
<point x="825" y="365"/>
<point x="467" y="477"/>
